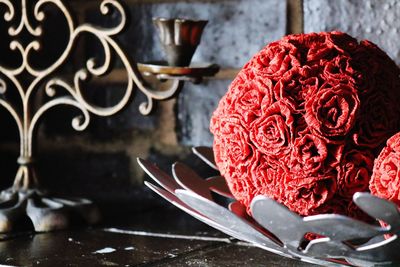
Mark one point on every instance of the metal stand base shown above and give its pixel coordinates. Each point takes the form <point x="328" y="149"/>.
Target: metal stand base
<point x="46" y="213"/>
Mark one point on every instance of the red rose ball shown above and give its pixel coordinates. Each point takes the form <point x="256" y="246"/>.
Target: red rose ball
<point x="385" y="181"/>
<point x="304" y="119"/>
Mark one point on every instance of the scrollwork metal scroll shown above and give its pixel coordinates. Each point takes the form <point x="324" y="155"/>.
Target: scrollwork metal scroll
<point x="26" y="117"/>
<point x="27" y="120"/>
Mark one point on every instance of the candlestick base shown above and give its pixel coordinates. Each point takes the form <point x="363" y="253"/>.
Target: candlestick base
<point x="45" y="212"/>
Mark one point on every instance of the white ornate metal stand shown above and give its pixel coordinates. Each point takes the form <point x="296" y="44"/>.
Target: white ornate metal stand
<point x="340" y="240"/>
<point x="25" y="197"/>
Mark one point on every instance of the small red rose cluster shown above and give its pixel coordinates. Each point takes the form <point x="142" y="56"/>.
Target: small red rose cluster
<point x="304" y="119"/>
<point x="385" y="181"/>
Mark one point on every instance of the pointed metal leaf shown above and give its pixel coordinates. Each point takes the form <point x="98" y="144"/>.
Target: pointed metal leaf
<point x="243" y="230"/>
<point x="158" y="175"/>
<point x="379" y="208"/>
<point x="338" y="227"/>
<point x="206" y="154"/>
<point x="276" y="218"/>
<point x="190" y="180"/>
<point x="218" y="185"/>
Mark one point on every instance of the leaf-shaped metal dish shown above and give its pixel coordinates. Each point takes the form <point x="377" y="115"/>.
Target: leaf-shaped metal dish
<point x="342" y="240"/>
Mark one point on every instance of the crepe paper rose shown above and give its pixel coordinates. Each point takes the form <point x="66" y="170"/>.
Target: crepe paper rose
<point x="235" y="147"/>
<point x="374" y="129"/>
<point x="355" y="172"/>
<point x="257" y="93"/>
<point x="304" y="119"/>
<point x="272" y="132"/>
<point x="331" y="112"/>
<point x="265" y="175"/>
<point x="303" y="195"/>
<point x="385" y="181"/>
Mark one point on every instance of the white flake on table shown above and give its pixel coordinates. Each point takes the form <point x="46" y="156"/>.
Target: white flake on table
<point x="104" y="251"/>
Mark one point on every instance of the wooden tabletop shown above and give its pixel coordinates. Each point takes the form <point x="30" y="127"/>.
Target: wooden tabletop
<point x="162" y="237"/>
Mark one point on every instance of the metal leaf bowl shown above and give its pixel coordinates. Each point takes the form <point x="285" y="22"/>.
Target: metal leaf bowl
<point x="342" y="241"/>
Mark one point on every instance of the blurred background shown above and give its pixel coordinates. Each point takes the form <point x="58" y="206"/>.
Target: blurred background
<point x="100" y="163"/>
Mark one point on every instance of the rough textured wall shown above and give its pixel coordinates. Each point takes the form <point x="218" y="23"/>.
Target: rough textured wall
<point x="376" y="20"/>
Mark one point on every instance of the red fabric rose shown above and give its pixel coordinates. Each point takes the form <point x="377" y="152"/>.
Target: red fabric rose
<point x="308" y="154"/>
<point x="233" y="145"/>
<point x="339" y="70"/>
<point x="303" y="120"/>
<point x="266" y="175"/>
<point x="274" y="60"/>
<point x="249" y="97"/>
<point x="311" y="155"/>
<point x="305" y="195"/>
<point x="378" y="122"/>
<point x="354" y="172"/>
<point x="331" y="112"/>
<point x="272" y="133"/>
<point x="385" y="181"/>
<point x="296" y="84"/>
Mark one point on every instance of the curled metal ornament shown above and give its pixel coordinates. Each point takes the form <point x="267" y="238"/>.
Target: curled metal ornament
<point x="340" y="240"/>
<point x="27" y="18"/>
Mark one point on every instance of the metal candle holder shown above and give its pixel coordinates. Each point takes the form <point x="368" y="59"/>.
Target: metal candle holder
<point x="340" y="241"/>
<point x="26" y="198"/>
<point x="179" y="38"/>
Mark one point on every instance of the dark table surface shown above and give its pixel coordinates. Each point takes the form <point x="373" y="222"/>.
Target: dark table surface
<point x="161" y="237"/>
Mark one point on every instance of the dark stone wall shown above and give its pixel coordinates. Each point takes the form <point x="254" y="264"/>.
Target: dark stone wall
<point x="374" y="20"/>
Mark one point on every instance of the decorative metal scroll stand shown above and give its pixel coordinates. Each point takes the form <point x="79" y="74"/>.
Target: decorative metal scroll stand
<point x="343" y="241"/>
<point x="26" y="198"/>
